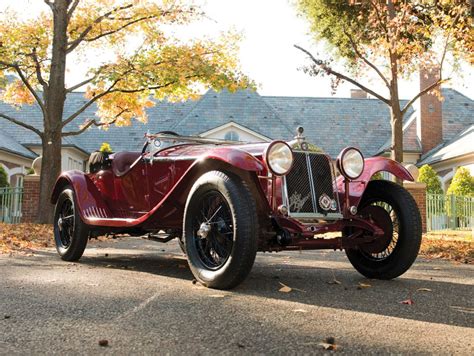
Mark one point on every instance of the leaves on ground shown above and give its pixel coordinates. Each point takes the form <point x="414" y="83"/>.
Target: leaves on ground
<point x="285" y="288"/>
<point x="424" y="290"/>
<point x="329" y="344"/>
<point x="408" y="301"/>
<point x="334" y="280"/>
<point x="363" y="285"/>
<point x="460" y="249"/>
<point x="103" y="343"/>
<point x="15" y="238"/>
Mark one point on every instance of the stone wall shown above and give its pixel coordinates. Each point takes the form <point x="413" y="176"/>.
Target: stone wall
<point x="418" y="191"/>
<point x="30" y="204"/>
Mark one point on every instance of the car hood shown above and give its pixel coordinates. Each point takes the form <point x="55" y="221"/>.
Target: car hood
<point x="196" y="151"/>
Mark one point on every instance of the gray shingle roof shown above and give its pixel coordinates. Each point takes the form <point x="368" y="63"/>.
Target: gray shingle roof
<point x="334" y="123"/>
<point x="330" y="123"/>
<point x="459" y="145"/>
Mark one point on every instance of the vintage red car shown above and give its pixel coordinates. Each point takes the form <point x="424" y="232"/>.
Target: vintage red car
<point x="224" y="201"/>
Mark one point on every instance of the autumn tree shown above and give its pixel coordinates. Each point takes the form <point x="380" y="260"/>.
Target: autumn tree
<point x="147" y="62"/>
<point x="430" y="178"/>
<point x="392" y="39"/>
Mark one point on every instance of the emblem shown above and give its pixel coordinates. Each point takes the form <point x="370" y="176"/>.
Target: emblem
<point x="297" y="202"/>
<point x="325" y="202"/>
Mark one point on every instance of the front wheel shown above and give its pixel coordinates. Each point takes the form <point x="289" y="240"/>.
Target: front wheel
<point x="220" y="230"/>
<point x="394" y="210"/>
<point x="70" y="232"/>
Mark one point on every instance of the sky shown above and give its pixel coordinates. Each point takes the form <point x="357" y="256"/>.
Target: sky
<point x="270" y="28"/>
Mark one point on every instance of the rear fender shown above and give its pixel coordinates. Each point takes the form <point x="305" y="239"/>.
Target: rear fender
<point x="88" y="198"/>
<point x="373" y="165"/>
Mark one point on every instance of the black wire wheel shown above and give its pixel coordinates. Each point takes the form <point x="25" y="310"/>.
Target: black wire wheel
<point x="394" y="210"/>
<point x="220" y="230"/>
<point x="70" y="232"/>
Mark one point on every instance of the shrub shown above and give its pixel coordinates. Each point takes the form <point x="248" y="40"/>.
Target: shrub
<point x="462" y="184"/>
<point x="430" y="178"/>
<point x="3" y="178"/>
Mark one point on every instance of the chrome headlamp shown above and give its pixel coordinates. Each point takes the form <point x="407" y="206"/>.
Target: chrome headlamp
<point x="279" y="158"/>
<point x="350" y="163"/>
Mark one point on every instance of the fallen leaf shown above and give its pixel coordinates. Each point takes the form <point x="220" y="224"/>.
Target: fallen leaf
<point x="437" y="268"/>
<point x="103" y="343"/>
<point x="463" y="309"/>
<point x="300" y="311"/>
<point x="334" y="281"/>
<point x="217" y="295"/>
<point x="328" y="346"/>
<point x="285" y="288"/>
<point x="363" y="285"/>
<point x="330" y="340"/>
<point x="6" y="317"/>
<point x="424" y="290"/>
<point x="240" y="345"/>
<point x="408" y="302"/>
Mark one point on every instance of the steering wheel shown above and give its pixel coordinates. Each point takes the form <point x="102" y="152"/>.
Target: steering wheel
<point x="147" y="142"/>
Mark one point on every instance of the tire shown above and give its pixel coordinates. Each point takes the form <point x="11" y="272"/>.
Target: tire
<point x="70" y="232"/>
<point x="222" y="257"/>
<point x="390" y="258"/>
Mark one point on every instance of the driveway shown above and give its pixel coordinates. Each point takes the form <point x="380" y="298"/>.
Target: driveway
<point x="140" y="297"/>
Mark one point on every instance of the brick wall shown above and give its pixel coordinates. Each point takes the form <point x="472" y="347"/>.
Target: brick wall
<point x="418" y="191"/>
<point x="30" y="203"/>
<point x="430" y="118"/>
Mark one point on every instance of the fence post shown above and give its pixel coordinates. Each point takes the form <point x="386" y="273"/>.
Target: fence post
<point x="418" y="191"/>
<point x="30" y="203"/>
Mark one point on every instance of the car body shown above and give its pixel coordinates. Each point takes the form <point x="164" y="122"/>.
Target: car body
<point x="150" y="192"/>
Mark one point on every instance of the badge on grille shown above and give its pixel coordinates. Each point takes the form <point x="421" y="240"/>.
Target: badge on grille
<point x="325" y="202"/>
<point x="297" y="202"/>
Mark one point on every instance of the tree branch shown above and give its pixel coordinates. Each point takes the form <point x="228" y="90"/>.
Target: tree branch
<point x="22" y="124"/>
<point x="72" y="8"/>
<point x="92" y="122"/>
<point x="81" y="84"/>
<point x="424" y="91"/>
<point x="329" y="70"/>
<point x="89" y="28"/>
<point x="370" y="64"/>
<point x="39" y="76"/>
<point x="27" y="84"/>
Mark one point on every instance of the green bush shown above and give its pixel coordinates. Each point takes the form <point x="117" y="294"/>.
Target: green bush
<point x="3" y="178"/>
<point x="430" y="178"/>
<point x="462" y="183"/>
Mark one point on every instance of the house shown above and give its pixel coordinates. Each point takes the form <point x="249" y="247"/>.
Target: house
<point x="435" y="132"/>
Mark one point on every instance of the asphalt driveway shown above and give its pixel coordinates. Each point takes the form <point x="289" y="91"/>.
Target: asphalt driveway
<point x="140" y="297"/>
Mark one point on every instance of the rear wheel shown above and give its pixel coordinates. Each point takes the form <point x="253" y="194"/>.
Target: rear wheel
<point x="70" y="233"/>
<point x="220" y="230"/>
<point x="394" y="210"/>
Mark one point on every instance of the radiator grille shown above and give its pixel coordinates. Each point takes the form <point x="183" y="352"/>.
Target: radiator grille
<point x="310" y="188"/>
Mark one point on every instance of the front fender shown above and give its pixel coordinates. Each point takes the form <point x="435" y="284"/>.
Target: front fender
<point x="373" y="165"/>
<point x="235" y="157"/>
<point x="88" y="198"/>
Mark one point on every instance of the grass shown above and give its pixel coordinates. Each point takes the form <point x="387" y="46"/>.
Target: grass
<point x="456" y="246"/>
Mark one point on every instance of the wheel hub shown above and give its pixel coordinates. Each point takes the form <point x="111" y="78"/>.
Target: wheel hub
<point x="204" y="230"/>
<point x="382" y="219"/>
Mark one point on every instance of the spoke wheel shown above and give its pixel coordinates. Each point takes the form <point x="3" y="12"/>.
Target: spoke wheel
<point x="70" y="232"/>
<point x="220" y="230"/>
<point x="213" y="230"/>
<point x="394" y="210"/>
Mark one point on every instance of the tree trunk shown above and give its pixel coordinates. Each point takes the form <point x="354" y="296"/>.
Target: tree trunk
<point x="396" y="120"/>
<point x="55" y="96"/>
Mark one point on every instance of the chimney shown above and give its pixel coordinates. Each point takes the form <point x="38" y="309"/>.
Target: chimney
<point x="358" y="94"/>
<point x="429" y="124"/>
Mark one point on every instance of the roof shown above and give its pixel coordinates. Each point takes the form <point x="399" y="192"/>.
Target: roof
<point x="334" y="123"/>
<point x="460" y="145"/>
<point x="330" y="123"/>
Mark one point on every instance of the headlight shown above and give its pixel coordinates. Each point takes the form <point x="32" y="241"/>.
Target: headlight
<point x="279" y="158"/>
<point x="350" y="163"/>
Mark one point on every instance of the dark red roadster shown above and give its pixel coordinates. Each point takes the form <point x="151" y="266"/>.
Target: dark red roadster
<point x="224" y="201"/>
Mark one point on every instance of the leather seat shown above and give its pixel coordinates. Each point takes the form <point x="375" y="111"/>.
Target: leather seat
<point x="123" y="162"/>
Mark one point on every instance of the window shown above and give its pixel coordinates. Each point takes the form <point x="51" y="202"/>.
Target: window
<point x="232" y="136"/>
